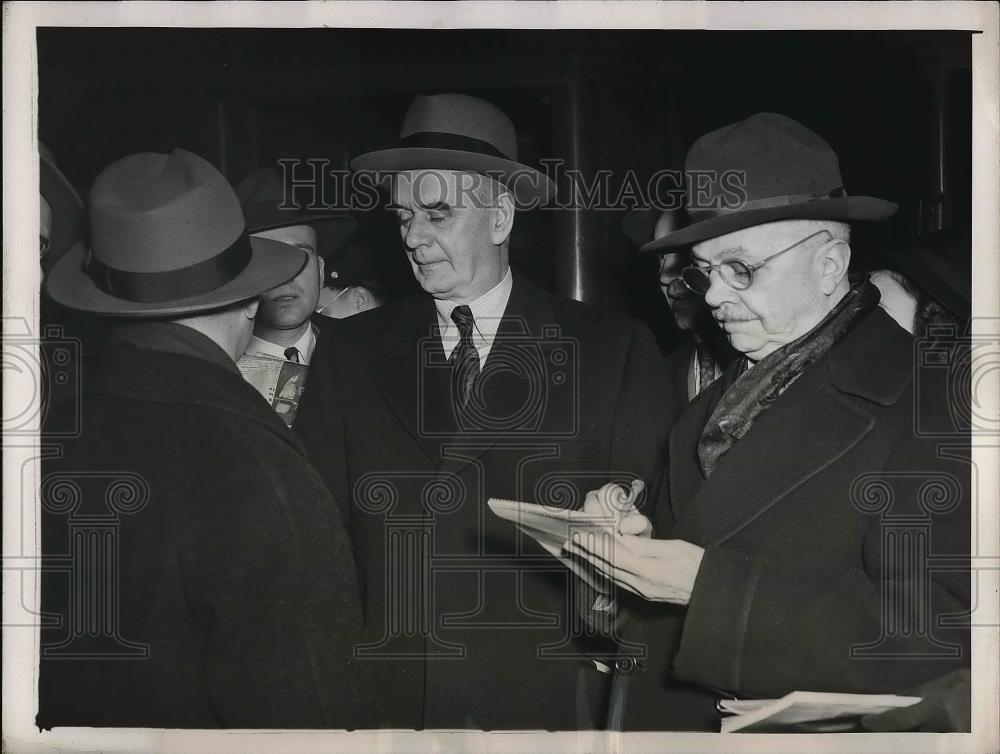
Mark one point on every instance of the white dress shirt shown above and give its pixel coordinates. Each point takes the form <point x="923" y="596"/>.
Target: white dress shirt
<point x="487" y="311"/>
<point x="306" y="344"/>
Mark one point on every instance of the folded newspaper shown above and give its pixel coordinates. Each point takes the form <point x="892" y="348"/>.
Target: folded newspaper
<point x="806" y="711"/>
<point x="280" y="381"/>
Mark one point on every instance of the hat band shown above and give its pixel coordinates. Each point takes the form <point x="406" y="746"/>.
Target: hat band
<point x="454" y="142"/>
<point x="784" y="200"/>
<point x="172" y="285"/>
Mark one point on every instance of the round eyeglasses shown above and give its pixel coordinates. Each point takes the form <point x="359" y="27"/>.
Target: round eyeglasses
<point x="734" y="272"/>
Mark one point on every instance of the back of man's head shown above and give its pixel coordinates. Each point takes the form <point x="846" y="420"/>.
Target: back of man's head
<point x="229" y="328"/>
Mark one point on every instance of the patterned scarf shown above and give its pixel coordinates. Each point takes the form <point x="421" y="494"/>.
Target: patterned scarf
<point x="751" y="392"/>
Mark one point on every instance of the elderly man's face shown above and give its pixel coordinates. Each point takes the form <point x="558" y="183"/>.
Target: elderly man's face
<point x="288" y="306"/>
<point x="788" y="296"/>
<point x="453" y="245"/>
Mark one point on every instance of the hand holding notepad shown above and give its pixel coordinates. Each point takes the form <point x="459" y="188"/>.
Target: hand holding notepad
<point x="607" y="512"/>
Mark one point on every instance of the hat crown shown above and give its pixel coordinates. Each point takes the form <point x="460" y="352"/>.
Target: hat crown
<point x="154" y="212"/>
<point x="768" y="154"/>
<point x="461" y="115"/>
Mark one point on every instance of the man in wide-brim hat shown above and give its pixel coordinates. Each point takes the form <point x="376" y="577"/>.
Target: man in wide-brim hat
<point x="774" y="568"/>
<point x="283" y="327"/>
<point x="218" y="589"/>
<point x="483" y="386"/>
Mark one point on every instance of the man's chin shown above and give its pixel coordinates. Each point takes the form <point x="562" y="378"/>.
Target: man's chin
<point x="285" y="320"/>
<point x="746" y="343"/>
<point x="435" y="284"/>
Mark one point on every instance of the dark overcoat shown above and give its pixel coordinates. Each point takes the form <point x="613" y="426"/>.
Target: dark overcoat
<point x="678" y="365"/>
<point x="473" y="625"/>
<point x="837" y="539"/>
<point x="198" y="574"/>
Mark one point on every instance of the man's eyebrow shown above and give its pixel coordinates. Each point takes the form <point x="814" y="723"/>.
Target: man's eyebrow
<point x="728" y="253"/>
<point x="395" y="206"/>
<point x="438" y="207"/>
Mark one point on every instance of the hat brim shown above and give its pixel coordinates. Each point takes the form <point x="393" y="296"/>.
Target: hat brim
<point x="530" y="187"/>
<point x="638" y="225"/>
<point x="844" y="208"/>
<point x="67" y="210"/>
<point x="334" y="228"/>
<point x="272" y="263"/>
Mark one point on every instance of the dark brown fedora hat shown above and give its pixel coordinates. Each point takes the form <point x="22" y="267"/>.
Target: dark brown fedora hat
<point x="167" y="238"/>
<point x="266" y="206"/>
<point x="463" y="133"/>
<point x="761" y="170"/>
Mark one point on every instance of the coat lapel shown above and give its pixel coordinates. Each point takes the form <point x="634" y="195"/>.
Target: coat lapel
<point x="515" y="388"/>
<point x="812" y="425"/>
<point x="410" y="371"/>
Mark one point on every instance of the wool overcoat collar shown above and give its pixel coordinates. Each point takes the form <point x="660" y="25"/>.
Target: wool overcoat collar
<point x="821" y="416"/>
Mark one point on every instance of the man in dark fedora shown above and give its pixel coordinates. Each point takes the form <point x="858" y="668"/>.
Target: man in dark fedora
<point x="484" y="386"/>
<point x="197" y="572"/>
<point x="283" y="327"/>
<point x="804" y="496"/>
<point x="703" y="352"/>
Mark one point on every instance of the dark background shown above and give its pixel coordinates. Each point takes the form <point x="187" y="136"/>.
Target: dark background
<point x="895" y="106"/>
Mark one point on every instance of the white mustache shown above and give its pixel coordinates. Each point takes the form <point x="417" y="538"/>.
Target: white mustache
<point x="731" y="316"/>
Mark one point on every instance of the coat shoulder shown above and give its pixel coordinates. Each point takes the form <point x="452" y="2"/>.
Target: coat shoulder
<point x="611" y="331"/>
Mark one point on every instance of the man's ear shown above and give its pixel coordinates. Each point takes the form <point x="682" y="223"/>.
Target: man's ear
<point x="503" y="218"/>
<point x="250" y="308"/>
<point x="361" y="299"/>
<point x="835" y="259"/>
<point x="322" y="270"/>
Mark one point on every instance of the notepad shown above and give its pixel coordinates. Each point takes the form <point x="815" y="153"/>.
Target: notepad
<point x="551" y="527"/>
<point x="554" y="525"/>
<point x="801" y="708"/>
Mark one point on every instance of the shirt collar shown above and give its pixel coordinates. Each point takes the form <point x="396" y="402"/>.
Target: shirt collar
<point x="487" y="310"/>
<point x="305" y="344"/>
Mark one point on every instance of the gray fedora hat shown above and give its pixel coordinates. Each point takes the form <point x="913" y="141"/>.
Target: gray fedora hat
<point x="463" y="133"/>
<point x="167" y="238"/>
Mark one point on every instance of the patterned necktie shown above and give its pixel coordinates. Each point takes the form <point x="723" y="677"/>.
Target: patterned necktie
<point x="292" y="354"/>
<point x="706" y="367"/>
<point x="465" y="357"/>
